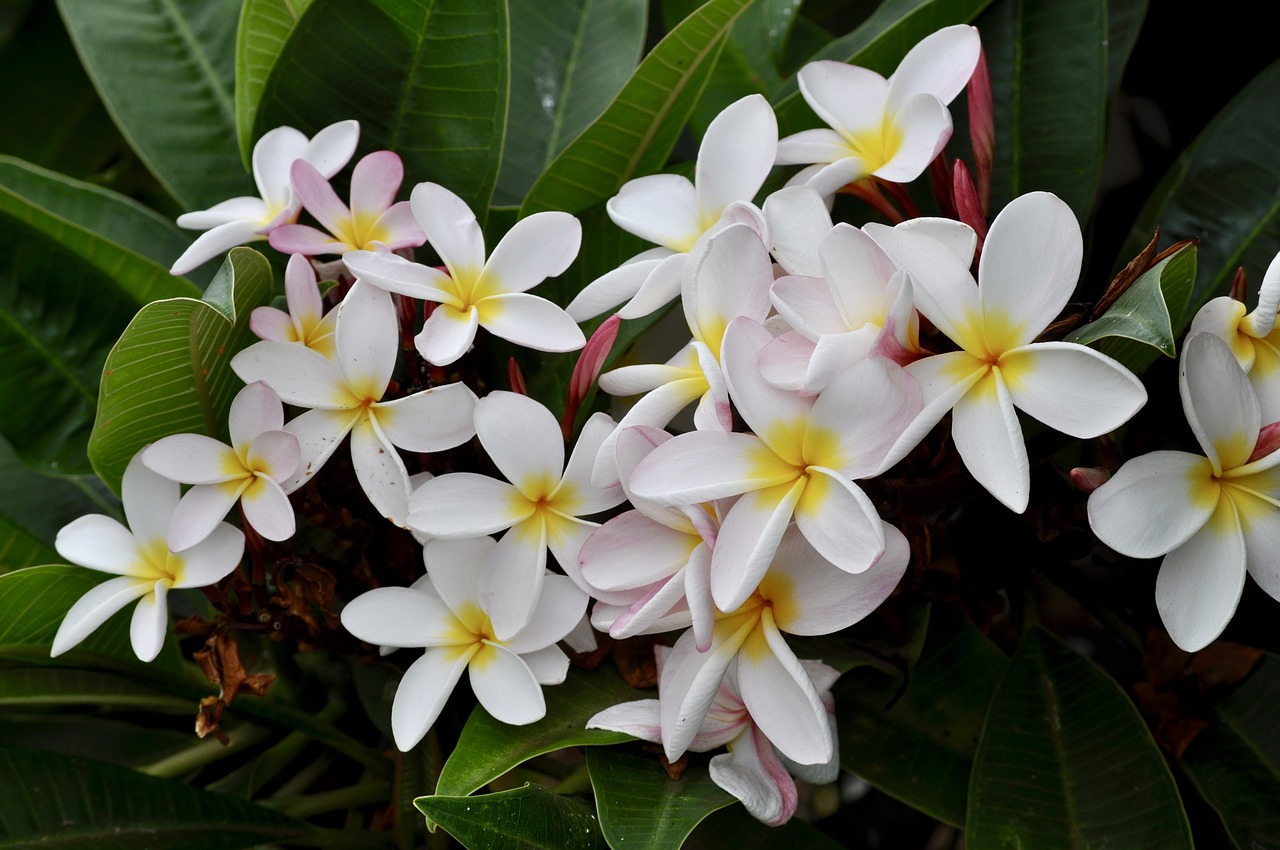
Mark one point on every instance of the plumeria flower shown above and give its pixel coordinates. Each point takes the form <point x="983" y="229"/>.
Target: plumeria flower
<point x="800" y="462"/>
<point x="752" y="770"/>
<point x="891" y="129"/>
<point x="146" y="569"/>
<point x="1213" y="517"/>
<point x="541" y="507"/>
<point x="345" y="395"/>
<point x="1030" y="263"/>
<point x="736" y="155"/>
<point x="261" y="457"/>
<point x="1254" y="338"/>
<point x="243" y="220"/>
<point x="477" y="292"/>
<point x="373" y="222"/>
<point x="449" y="619"/>
<point x="306" y="322"/>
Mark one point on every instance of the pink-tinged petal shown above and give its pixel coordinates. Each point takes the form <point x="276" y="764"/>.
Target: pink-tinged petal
<point x="656" y="409"/>
<point x="423" y="691"/>
<point x="751" y="772"/>
<point x="615" y="287"/>
<point x="989" y="439"/>
<point x="860" y="416"/>
<point x="771" y="413"/>
<point x="839" y="520"/>
<point x="267" y="509"/>
<point x="530" y="321"/>
<point x="95" y="608"/>
<point x="273" y="155"/>
<point x="560" y="608"/>
<point x="1030" y="265"/>
<point x="506" y="687"/>
<point x="535" y="248"/>
<point x="315" y="193"/>
<point x="213" y="243"/>
<point x="781" y="697"/>
<point x="705" y="465"/>
<point x="511" y="583"/>
<point x="633" y="444"/>
<point x="784" y="362"/>
<point x="943" y="380"/>
<point x="99" y="543"/>
<point x="1220" y="405"/>
<point x="848" y="98"/>
<point x="397" y="228"/>
<point x="731" y="279"/>
<point x="925" y="127"/>
<point x="748" y="541"/>
<point x="400" y="617"/>
<point x="798" y="221"/>
<point x="837" y="353"/>
<point x="465" y="504"/>
<point x="270" y="323"/>
<point x="332" y="148"/>
<point x="374" y="182"/>
<point x="689" y="682"/>
<point x="576" y="495"/>
<point x="298" y="375"/>
<point x="396" y="274"/>
<point x="697" y="593"/>
<point x="150" y="623"/>
<point x="807" y="306"/>
<point x="659" y="287"/>
<point x="581" y="638"/>
<point x="631" y="551"/>
<point x="451" y="228"/>
<point x="319" y="432"/>
<point x="192" y="459"/>
<point x="659" y="608"/>
<point x="661" y="208"/>
<point x="453" y="567"/>
<point x="1200" y="582"/>
<point x="302" y="239"/>
<point x="550" y="665"/>
<point x="813" y="146"/>
<point x="366" y="337"/>
<point x="736" y="154"/>
<point x="643" y="377"/>
<point x="523" y="440"/>
<point x="639" y="719"/>
<point x="1071" y="388"/>
<point x="149" y="500"/>
<point x="900" y="337"/>
<point x="235" y="209"/>
<point x="829" y="179"/>
<point x="200" y="511"/>
<point x="447" y="335"/>
<point x="429" y="420"/>
<point x="1154" y="503"/>
<point x="213" y="558"/>
<point x="940" y="64"/>
<point x="380" y="471"/>
<point x="1263" y="318"/>
<point x="255" y="409"/>
<point x="858" y="272"/>
<point x="274" y="454"/>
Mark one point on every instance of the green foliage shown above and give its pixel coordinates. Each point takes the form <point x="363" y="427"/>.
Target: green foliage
<point x="528" y="818"/>
<point x="641" y="806"/>
<point x="265" y="26"/>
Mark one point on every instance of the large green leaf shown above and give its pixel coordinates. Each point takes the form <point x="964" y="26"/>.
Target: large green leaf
<point x="1235" y="763"/>
<point x="569" y="58"/>
<point x="528" y="818"/>
<point x="488" y="748"/>
<point x="425" y="78"/>
<point x="59" y="801"/>
<point x="640" y="806"/>
<point x="1065" y="761"/>
<point x="1048" y="64"/>
<point x="170" y="372"/>
<point x="47" y="687"/>
<point x="1223" y="191"/>
<point x="20" y="548"/>
<point x="165" y="69"/>
<point x="735" y="827"/>
<point x="917" y="743"/>
<point x="636" y="133"/>
<point x="41" y="504"/>
<point x="264" y="28"/>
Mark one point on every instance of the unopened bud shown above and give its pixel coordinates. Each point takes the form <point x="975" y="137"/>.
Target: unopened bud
<point x="1089" y="478"/>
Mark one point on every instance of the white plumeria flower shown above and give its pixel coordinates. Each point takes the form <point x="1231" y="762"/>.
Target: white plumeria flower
<point x="261" y="457"/>
<point x="373" y="222"/>
<point x="146" y="569"/>
<point x="891" y="129"/>
<point x="1215" y="517"/>
<point x="800" y="461"/>
<point x="306" y="322"/>
<point x="736" y="155"/>
<point x="449" y="619"/>
<point x="345" y="395"/>
<point x="477" y="292"/>
<point x="540" y="508"/>
<point x="1254" y="338"/>
<point x="1030" y="263"/>
<point x="243" y="220"/>
<point x="751" y="770"/>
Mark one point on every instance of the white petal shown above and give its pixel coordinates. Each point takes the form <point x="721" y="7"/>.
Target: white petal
<point x="530" y="321"/>
<point x="798" y="221"/>
<point x="319" y="432"/>
<point x="988" y="437"/>
<point x="560" y="608"/>
<point x="422" y="693"/>
<point x="657" y="289"/>
<point x="299" y="375"/>
<point x="943" y="380"/>
<point x="273" y="155"/>
<point x="396" y="274"/>
<point x="400" y="617"/>
<point x="274" y="454"/>
<point x="736" y="154"/>
<point x="430" y="420"/>
<point x="614" y="287"/>
<point x="941" y="64"/>
<point x="214" y="242"/>
<point x="550" y="665"/>
<point x="1200" y="582"/>
<point x="688" y="685"/>
<point x="466" y="504"/>
<point x="95" y="608"/>
<point x="149" y="500"/>
<point x="1154" y="503"/>
<point x="1220" y="405"/>
<point x="576" y="495"/>
<point x="751" y="772"/>
<point x="213" y="558"/>
<point x="150" y="623"/>
<point x="661" y="208"/>
<point x="782" y="699"/>
<point x="770" y="412"/>
<point x="267" y="509"/>
<point x="453" y="567"/>
<point x="704" y="465"/>
<point x="840" y="521"/>
<point x="234" y="209"/>
<point x="200" y="511"/>
<point x="451" y="228"/>
<point x="380" y="470"/>
<point x="447" y="335"/>
<point x="506" y="687"/>
<point x="256" y="409"/>
<point x="1071" y="388"/>
<point x="748" y="540"/>
<point x="535" y="248"/>
<point x="631" y="551"/>
<point x="732" y="278"/>
<point x="511" y="583"/>
<point x="99" y="543"/>
<point x="638" y="718"/>
<point x="367" y="338"/>
<point x="924" y="127"/>
<point x="858" y="271"/>
<point x="523" y="440"/>
<point x="1263" y="318"/>
<point x="331" y="148"/>
<point x="846" y="97"/>
<point x="858" y="418"/>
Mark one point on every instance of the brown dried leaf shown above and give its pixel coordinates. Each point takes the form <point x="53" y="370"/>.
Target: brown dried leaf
<point x="220" y="662"/>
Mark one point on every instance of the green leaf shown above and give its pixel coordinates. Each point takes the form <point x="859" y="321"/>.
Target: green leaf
<point x="45" y="687"/>
<point x="1066" y="761"/>
<point x="488" y="748"/>
<point x="427" y="79"/>
<point x="917" y="743"/>
<point x="569" y="58"/>
<point x="170" y="372"/>
<point x="1145" y="316"/>
<point x="42" y="504"/>
<point x="1124" y="22"/>
<point x="265" y="26"/>
<point x="58" y="801"/>
<point x="1235" y="763"/>
<point x="1048" y="64"/>
<point x="95" y="737"/>
<point x="1224" y="191"/>
<point x="735" y="827"/>
<point x="528" y="818"/>
<point x="636" y="133"/>
<point x="20" y="548"/>
<point x="165" y="70"/>
<point x="640" y="806"/>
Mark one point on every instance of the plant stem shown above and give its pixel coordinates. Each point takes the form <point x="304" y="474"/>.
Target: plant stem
<point x="327" y="801"/>
<point x="206" y="752"/>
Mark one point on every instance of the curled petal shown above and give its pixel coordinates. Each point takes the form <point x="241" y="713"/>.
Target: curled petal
<point x="213" y="242"/>
<point x="150" y="622"/>
<point x="447" y="334"/>
<point x="752" y="772"/>
<point x="781" y="697"/>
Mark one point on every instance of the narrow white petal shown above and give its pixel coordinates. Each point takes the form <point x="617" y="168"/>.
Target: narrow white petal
<point x="331" y="148"/>
<point x="319" y="432"/>
<point x="988" y="437"/>
<point x="150" y="623"/>
<point x="748" y="540"/>
<point x="658" y="288"/>
<point x="149" y="500"/>
<point x="631" y="551"/>
<point x="451" y="228"/>
<point x="505" y="686"/>
<point x="380" y="471"/>
<point x="736" y="154"/>
<point x="396" y="274"/>
<point x="95" y="608"/>
<point x="688" y="684"/>
<point x="511" y="583"/>
<point x="1263" y="318"/>
<point x="560" y="607"/>
<point x="1071" y="388"/>
<point x="422" y="693"/>
<point x="730" y="279"/>
<point x="367" y="338"/>
<point x="924" y="127"/>
<point x="798" y="221"/>
<point x="214" y="242"/>
<point x="782" y="699"/>
<point x="576" y="495"/>
<point x="840" y="521"/>
<point x="943" y="380"/>
<point x="1219" y="402"/>
<point x="466" y="504"/>
<point x="1200" y="582"/>
<point x="638" y="718"/>
<point x="430" y="420"/>
<point x="453" y="569"/>
<point x="705" y="465"/>
<point x="200" y="511"/>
